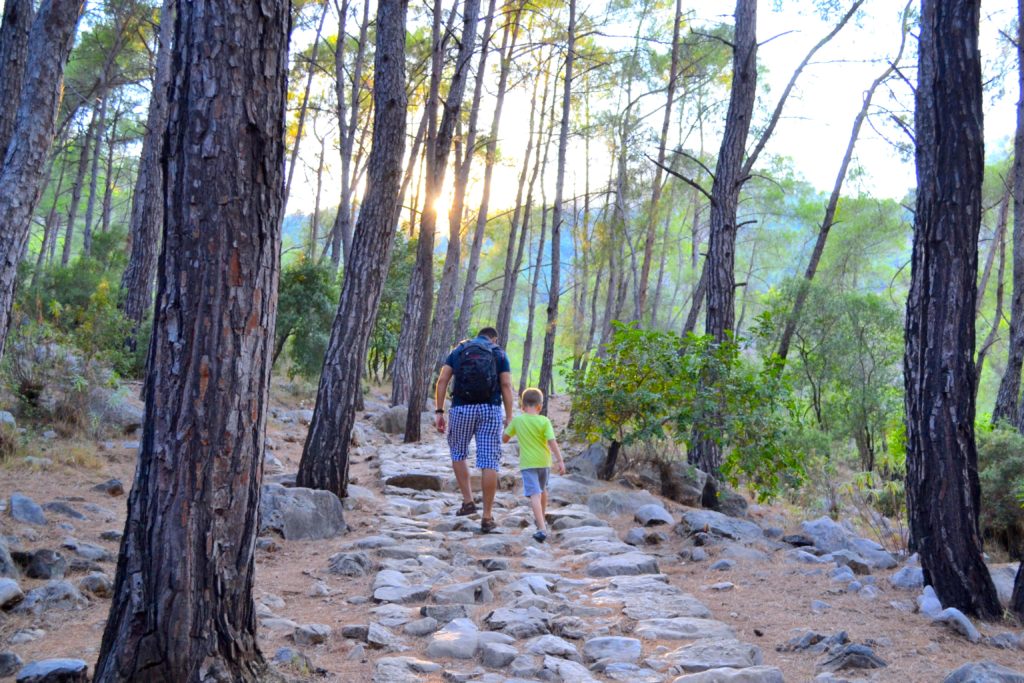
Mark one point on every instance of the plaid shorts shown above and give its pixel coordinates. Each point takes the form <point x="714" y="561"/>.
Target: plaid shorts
<point x="484" y="421"/>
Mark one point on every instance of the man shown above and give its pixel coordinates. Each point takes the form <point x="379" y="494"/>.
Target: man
<point x="483" y="384"/>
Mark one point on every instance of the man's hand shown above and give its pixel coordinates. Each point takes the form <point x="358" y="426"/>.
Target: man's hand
<point x="561" y="467"/>
<point x="439" y="422"/>
<point x="508" y="418"/>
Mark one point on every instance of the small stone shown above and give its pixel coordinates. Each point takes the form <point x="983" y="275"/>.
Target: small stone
<point x="820" y="607"/>
<point x="494" y="564"/>
<point x="907" y="578"/>
<point x="290" y="657"/>
<point x="24" y="509"/>
<point x="43" y="564"/>
<point x="35" y="461"/>
<point x="54" y="595"/>
<point x="54" y="671"/>
<point x="97" y="584"/>
<point x="26" y="635"/>
<point x="381" y="638"/>
<point x="112" y="536"/>
<point x="444" y="613"/>
<point x="10" y="593"/>
<point x="959" y="622"/>
<point x="352" y="564"/>
<point x="421" y="627"/>
<point x="402" y="670"/>
<point x="698" y="554"/>
<point x="49" y="434"/>
<point x="1006" y="641"/>
<point x="111" y="487"/>
<point x="9" y="664"/>
<point x="312" y="634"/>
<point x="89" y="551"/>
<point x="722" y="586"/>
<point x="722" y="565"/>
<point x="355" y="631"/>
<point x="267" y="545"/>
<point x="497" y="655"/>
<point x="928" y="603"/>
<point x="62" y="508"/>
<point x="613" y="649"/>
<point x="553" y="646"/>
<point x="652" y="515"/>
<point x="852" y="656"/>
<point x="750" y="674"/>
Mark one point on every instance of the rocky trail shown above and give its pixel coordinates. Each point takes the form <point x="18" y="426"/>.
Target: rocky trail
<point x="393" y="587"/>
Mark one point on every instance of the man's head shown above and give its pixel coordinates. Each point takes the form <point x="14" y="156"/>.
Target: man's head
<point x="532" y="400"/>
<point x="490" y="333"/>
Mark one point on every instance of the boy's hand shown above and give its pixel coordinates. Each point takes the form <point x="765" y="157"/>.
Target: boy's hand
<point x="561" y="467"/>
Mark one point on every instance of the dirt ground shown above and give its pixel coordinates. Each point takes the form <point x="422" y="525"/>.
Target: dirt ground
<point x="769" y="601"/>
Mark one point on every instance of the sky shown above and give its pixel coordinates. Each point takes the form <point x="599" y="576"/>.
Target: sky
<point x="817" y="119"/>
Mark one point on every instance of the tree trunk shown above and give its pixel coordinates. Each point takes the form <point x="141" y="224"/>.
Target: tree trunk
<point x="14" y="31"/>
<point x="304" y="105"/>
<point x="942" y="465"/>
<point x="108" y="179"/>
<point x="547" y="364"/>
<point x="1007" y="400"/>
<point x="997" y="315"/>
<point x="720" y="262"/>
<point x="90" y="204"/>
<point x="657" y="185"/>
<point x="608" y="467"/>
<point x="148" y="200"/>
<point x="182" y="608"/>
<point x="76" y="189"/>
<point x="833" y="204"/>
<point x="421" y="291"/>
<point x="21" y="174"/>
<point x="314" y="224"/>
<point x="524" y="370"/>
<point x="443" y="326"/>
<point x="659" y="281"/>
<point x="1017" y="599"/>
<point x="50" y="229"/>
<point x="324" y="463"/>
<point x="469" y="288"/>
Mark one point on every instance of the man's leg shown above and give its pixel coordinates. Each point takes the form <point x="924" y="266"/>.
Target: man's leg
<point x="462" y="477"/>
<point x="461" y="425"/>
<point x="489" y="479"/>
<point x="488" y="454"/>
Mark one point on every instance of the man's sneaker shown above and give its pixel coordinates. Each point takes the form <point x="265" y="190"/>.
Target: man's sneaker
<point x="487" y="525"/>
<point x="466" y="509"/>
<point x="540" y="536"/>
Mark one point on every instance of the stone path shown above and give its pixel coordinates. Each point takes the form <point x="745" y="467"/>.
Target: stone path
<point x="453" y="604"/>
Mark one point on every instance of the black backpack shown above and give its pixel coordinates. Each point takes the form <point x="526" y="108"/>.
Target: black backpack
<point x="476" y="375"/>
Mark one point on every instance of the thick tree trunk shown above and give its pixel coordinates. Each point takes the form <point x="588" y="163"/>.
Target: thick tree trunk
<point x="76" y="189"/>
<point x="1017" y="599"/>
<point x="324" y="463"/>
<point x="90" y="204"/>
<point x="17" y="21"/>
<point x="1007" y="400"/>
<point x="547" y="364"/>
<point x="657" y="185"/>
<point x="182" y="607"/>
<point x="508" y="44"/>
<point x="442" y="328"/>
<point x="421" y="291"/>
<point x="729" y="175"/>
<point x="148" y="199"/>
<point x="833" y="204"/>
<point x="21" y="173"/>
<point x="942" y="465"/>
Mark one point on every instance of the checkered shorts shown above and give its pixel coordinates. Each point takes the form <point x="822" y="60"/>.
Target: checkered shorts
<point x="483" y="421"/>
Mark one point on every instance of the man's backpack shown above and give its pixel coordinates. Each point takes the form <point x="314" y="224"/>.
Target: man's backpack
<point x="476" y="374"/>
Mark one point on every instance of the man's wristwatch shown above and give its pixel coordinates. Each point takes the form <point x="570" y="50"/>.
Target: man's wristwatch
<point x="439" y="411"/>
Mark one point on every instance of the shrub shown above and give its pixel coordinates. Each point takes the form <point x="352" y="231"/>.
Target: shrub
<point x="1001" y="472"/>
<point x="307" y="302"/>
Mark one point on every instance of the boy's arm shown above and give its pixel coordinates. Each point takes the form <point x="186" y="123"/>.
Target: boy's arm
<point x="556" y="452"/>
<point x="505" y="438"/>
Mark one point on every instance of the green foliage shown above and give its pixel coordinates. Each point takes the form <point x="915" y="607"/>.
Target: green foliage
<point x="651" y="385"/>
<point x="384" y="339"/>
<point x="1001" y="472"/>
<point x="307" y="302"/>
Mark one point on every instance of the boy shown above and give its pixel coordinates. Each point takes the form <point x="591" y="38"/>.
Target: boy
<point x="536" y="444"/>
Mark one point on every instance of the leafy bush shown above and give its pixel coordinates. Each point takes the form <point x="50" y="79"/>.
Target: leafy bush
<point x="650" y="386"/>
<point x="1001" y="472"/>
<point x="307" y="303"/>
<point x="384" y="339"/>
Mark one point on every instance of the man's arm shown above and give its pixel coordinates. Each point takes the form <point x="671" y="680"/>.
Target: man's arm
<point x="440" y="392"/>
<point x="506" y="395"/>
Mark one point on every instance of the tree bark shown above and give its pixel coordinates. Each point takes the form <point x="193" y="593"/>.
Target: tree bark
<point x="548" y="360"/>
<point x="148" y="199"/>
<point x="729" y="175"/>
<point x="657" y="185"/>
<point x="304" y="105"/>
<point x="1007" y="400"/>
<point x="524" y="370"/>
<point x="21" y="174"/>
<point x="182" y="608"/>
<point x="469" y="288"/>
<point x="324" y="463"/>
<point x="420" y="302"/>
<point x="17" y="21"/>
<point x="443" y="326"/>
<point x="76" y="189"/>
<point x="942" y="466"/>
<point x="833" y="204"/>
<point x="90" y="204"/>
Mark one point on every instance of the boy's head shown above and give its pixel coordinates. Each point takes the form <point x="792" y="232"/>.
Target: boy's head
<point x="532" y="400"/>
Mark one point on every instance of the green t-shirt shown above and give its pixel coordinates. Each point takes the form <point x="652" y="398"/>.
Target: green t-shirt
<point x="533" y="432"/>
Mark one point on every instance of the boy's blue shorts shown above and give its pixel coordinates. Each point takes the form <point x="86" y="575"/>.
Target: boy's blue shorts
<point x="535" y="480"/>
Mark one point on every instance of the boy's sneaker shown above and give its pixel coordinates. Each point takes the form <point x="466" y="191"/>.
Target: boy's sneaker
<point x="540" y="536"/>
<point x="487" y="525"/>
<point x="466" y="509"/>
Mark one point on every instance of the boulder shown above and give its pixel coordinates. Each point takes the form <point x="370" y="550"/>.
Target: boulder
<point x="10" y="593"/>
<point x="619" y="502"/>
<point x="402" y="670"/>
<point x="752" y="674"/>
<point x="652" y="515"/>
<point x="682" y="628"/>
<point x="59" y="595"/>
<point x="7" y="566"/>
<point x="98" y="584"/>
<point x="9" y="662"/>
<point x="457" y="640"/>
<point x="311" y="634"/>
<point x="715" y="654"/>
<point x="716" y="523"/>
<point x="683" y="483"/>
<point x="828" y="536"/>
<point x="612" y="649"/>
<point x="54" y="671"/>
<point x="589" y="462"/>
<point x="984" y="672"/>
<point x="24" y="509"/>
<point x="119" y="409"/>
<point x="626" y="564"/>
<point x="392" y="420"/>
<point x="61" y="508"/>
<point x="350" y="564"/>
<point x="300" y="513"/>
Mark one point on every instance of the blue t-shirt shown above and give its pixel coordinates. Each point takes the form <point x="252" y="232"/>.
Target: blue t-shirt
<point x="455" y="357"/>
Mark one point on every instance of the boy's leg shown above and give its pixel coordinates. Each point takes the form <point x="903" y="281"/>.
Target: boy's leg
<point x="544" y="501"/>
<point x="538" y="511"/>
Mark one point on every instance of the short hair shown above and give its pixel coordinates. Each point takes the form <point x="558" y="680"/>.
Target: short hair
<point x="488" y="332"/>
<point x="532" y="397"/>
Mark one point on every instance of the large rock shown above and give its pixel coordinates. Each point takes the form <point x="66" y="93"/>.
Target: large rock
<point x="9" y="662"/>
<point x="612" y="649"/>
<point x="55" y="671"/>
<point x="457" y="640"/>
<point x="300" y="513"/>
<point x="88" y="551"/>
<point x="652" y="515"/>
<point x="752" y="674"/>
<point x="984" y="672"/>
<point x="682" y="628"/>
<point x="392" y="421"/>
<point x="519" y="622"/>
<point x="619" y="502"/>
<point x="649" y="596"/>
<point x="626" y="564"/>
<point x="497" y="655"/>
<point x="569" y="490"/>
<point x="43" y="564"/>
<point x="472" y="592"/>
<point x="715" y="654"/>
<point x="683" y="483"/>
<point x="829" y="536"/>
<point x="350" y="564"/>
<point x="10" y="593"/>
<point x="712" y="522"/>
<point x="589" y="462"/>
<point x="24" y="509"/>
<point x="119" y="409"/>
<point x="1003" y="576"/>
<point x="7" y="566"/>
<point x="403" y="670"/>
<point x="59" y="595"/>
